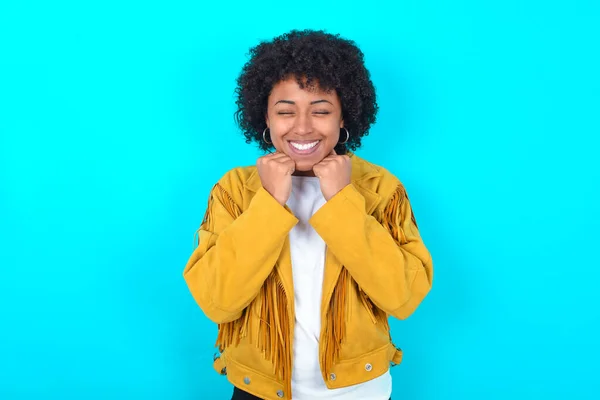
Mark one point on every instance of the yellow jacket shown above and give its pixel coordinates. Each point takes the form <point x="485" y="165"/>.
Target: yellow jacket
<point x="241" y="277"/>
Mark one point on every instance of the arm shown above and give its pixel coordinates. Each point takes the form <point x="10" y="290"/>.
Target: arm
<point x="235" y="253"/>
<point x="387" y="259"/>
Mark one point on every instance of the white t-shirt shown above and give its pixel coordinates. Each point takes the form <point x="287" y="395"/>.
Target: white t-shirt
<point x="308" y="261"/>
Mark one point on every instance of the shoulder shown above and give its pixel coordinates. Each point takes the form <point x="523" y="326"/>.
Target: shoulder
<point x="374" y="177"/>
<point x="237" y="176"/>
<point x="236" y="180"/>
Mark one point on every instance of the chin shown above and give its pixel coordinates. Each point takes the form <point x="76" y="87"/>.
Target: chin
<point x="304" y="166"/>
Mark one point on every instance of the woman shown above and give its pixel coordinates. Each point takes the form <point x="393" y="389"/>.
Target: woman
<point x="302" y="258"/>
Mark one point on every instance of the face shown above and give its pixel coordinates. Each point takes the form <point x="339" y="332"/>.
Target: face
<point x="304" y="123"/>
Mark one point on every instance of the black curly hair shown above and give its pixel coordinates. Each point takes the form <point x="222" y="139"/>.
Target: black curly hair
<point x="314" y="58"/>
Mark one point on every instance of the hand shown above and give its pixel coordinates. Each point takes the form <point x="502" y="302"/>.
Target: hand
<point x="333" y="173"/>
<point x="275" y="171"/>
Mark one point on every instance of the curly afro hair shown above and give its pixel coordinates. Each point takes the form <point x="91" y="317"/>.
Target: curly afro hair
<point x="313" y="58"/>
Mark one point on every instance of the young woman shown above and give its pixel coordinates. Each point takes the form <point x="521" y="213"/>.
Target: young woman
<point x="302" y="258"/>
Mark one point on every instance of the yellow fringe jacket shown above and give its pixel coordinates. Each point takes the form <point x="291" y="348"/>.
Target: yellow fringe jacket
<point x="241" y="277"/>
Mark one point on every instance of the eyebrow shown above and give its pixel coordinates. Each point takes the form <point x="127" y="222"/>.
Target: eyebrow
<point x="311" y="103"/>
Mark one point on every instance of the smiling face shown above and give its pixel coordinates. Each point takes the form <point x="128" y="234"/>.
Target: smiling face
<point x="303" y="123"/>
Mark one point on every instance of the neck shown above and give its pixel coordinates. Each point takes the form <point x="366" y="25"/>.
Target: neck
<point x="304" y="173"/>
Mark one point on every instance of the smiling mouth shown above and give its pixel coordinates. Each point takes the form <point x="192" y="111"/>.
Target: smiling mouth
<point x="303" y="147"/>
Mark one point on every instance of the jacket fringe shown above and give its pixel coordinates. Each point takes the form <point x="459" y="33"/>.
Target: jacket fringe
<point x="273" y="338"/>
<point x="391" y="217"/>
<point x="335" y="322"/>
<point x="271" y="306"/>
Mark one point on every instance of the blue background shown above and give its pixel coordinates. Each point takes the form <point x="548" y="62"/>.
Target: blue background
<point x="117" y="118"/>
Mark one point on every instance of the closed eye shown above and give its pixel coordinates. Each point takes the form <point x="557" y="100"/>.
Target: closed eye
<point x="315" y="112"/>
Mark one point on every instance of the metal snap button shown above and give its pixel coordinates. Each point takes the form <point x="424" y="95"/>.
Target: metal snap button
<point x="247" y="380"/>
<point x="280" y="393"/>
<point x="368" y="367"/>
<point x="224" y="371"/>
<point x="332" y="376"/>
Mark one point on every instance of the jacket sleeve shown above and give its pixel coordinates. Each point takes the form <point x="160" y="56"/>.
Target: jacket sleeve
<point x="236" y="252"/>
<point x="386" y="258"/>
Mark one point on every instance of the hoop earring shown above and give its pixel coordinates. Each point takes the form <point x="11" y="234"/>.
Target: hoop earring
<point x="347" y="137"/>
<point x="265" y="138"/>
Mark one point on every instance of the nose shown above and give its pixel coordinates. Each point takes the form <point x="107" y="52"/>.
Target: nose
<point x="302" y="124"/>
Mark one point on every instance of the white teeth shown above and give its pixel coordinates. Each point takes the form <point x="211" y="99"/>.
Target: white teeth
<point x="304" y="146"/>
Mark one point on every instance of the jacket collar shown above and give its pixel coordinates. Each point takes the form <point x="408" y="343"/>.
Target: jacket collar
<point x="364" y="177"/>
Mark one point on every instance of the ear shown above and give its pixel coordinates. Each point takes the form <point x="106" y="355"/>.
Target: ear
<point x="267" y="121"/>
<point x="341" y="124"/>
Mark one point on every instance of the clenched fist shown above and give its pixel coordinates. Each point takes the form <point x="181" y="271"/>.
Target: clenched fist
<point x="275" y="171"/>
<point x="333" y="173"/>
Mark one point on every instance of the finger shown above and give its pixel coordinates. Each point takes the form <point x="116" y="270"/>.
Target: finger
<point x="286" y="160"/>
<point x="272" y="154"/>
<point x="280" y="156"/>
<point x="328" y="159"/>
<point x="273" y="157"/>
<point x="291" y="166"/>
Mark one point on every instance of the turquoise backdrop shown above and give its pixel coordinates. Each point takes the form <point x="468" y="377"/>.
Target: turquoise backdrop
<point x="116" y="118"/>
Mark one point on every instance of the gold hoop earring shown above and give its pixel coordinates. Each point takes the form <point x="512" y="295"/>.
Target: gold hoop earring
<point x="347" y="137"/>
<point x="264" y="137"/>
